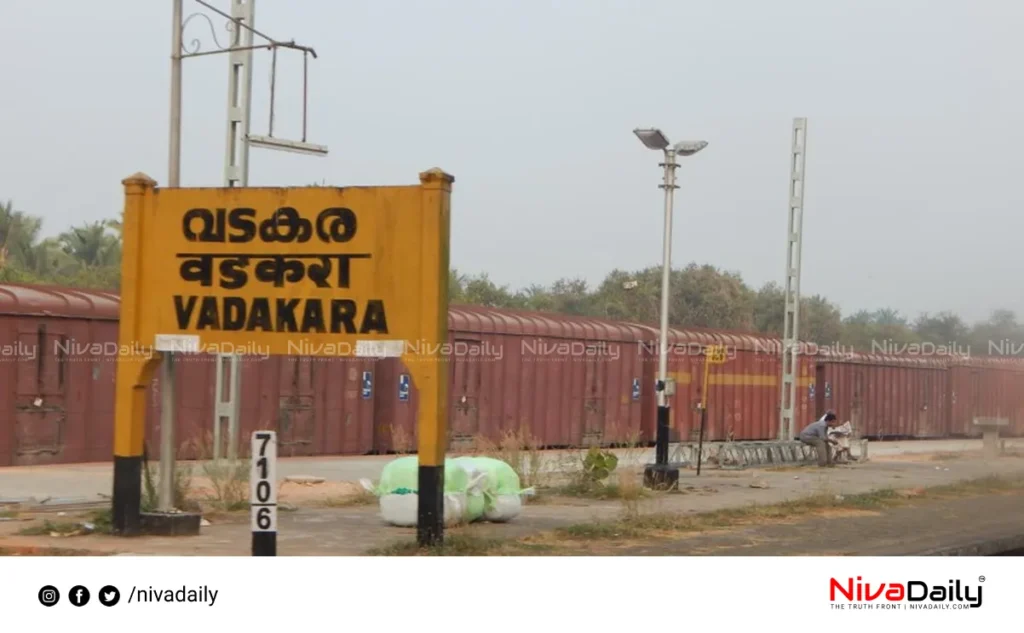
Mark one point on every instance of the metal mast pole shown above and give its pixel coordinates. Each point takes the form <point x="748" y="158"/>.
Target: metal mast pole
<point x="669" y="185"/>
<point x="236" y="174"/>
<point x="236" y="157"/>
<point x="794" y="242"/>
<point x="165" y="499"/>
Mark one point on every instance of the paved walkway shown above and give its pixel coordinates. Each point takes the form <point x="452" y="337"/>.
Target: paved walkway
<point x="352" y="531"/>
<point x="90" y="482"/>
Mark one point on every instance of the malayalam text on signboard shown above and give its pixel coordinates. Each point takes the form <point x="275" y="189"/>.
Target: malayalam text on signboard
<point x="298" y="268"/>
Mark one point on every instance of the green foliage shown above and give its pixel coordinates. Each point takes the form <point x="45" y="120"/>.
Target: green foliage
<point x="181" y="487"/>
<point x="86" y="256"/>
<point x="598" y="465"/>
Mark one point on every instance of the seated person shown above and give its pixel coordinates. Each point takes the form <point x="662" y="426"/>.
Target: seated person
<point x="816" y="435"/>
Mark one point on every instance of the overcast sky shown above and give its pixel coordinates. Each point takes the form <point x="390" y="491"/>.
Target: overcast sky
<point x="914" y="167"/>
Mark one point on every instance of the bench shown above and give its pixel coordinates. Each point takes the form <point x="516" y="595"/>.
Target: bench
<point x="990" y="434"/>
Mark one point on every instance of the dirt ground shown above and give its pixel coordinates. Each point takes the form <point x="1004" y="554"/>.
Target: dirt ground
<point x="338" y="518"/>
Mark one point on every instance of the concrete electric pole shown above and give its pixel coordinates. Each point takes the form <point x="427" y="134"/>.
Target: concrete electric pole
<point x="794" y="242"/>
<point x="240" y="24"/>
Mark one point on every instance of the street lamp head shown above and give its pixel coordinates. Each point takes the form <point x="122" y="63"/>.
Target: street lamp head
<point x="689" y="148"/>
<point x="652" y="138"/>
<point x="297" y="147"/>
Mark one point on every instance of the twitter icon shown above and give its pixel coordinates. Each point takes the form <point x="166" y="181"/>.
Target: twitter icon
<point x="109" y="596"/>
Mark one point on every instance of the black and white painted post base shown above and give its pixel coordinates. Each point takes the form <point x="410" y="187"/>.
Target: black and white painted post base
<point x="263" y="493"/>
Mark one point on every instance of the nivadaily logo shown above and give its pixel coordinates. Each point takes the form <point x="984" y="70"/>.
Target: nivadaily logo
<point x="915" y="594"/>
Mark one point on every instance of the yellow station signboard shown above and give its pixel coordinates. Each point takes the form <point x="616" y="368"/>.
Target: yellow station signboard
<point x="315" y="271"/>
<point x="301" y="271"/>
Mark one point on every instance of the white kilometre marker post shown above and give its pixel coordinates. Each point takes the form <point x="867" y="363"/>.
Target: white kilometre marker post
<point x="263" y="493"/>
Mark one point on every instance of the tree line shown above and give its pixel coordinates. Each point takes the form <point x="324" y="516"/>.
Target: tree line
<point x="89" y="256"/>
<point x="703" y="296"/>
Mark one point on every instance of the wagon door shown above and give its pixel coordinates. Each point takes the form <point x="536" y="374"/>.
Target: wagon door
<point x="595" y="378"/>
<point x="819" y="392"/>
<point x="39" y="408"/>
<point x="465" y="388"/>
<point x="296" y="421"/>
<point x="925" y="414"/>
<point x="857" y="404"/>
<point x="975" y="401"/>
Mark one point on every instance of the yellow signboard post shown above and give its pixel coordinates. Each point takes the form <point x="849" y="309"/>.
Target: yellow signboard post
<point x="309" y="271"/>
<point x="713" y="355"/>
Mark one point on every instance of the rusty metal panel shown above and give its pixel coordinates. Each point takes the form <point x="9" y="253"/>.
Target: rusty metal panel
<point x="40" y="406"/>
<point x="54" y="301"/>
<point x="346" y="423"/>
<point x="566" y="380"/>
<point x="986" y="387"/>
<point x="889" y="396"/>
<point x="394" y="426"/>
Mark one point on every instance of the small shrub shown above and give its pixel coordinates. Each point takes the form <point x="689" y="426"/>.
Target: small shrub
<point x="181" y="488"/>
<point x="102" y="520"/>
<point x="598" y="465"/>
<point x="229" y="484"/>
<point x="518" y="449"/>
<point x="228" y="479"/>
<point x="631" y="492"/>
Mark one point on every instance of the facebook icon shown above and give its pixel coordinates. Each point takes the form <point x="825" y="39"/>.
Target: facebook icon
<point x="79" y="596"/>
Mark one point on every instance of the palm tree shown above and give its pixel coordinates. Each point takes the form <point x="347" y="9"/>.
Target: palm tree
<point x="18" y="234"/>
<point x="91" y="245"/>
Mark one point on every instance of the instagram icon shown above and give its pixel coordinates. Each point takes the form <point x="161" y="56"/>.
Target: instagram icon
<point x="49" y="596"/>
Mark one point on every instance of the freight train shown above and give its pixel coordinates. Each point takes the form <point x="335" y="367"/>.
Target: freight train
<point x="563" y="380"/>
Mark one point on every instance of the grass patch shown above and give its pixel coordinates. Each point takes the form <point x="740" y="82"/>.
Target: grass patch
<point x="973" y="487"/>
<point x="628" y="487"/>
<point x="633" y="526"/>
<point x="636" y="525"/>
<point x="467" y="545"/>
<point x="361" y="498"/>
<point x="589" y="490"/>
<point x="102" y="520"/>
<point x="454" y="545"/>
<point x="8" y="514"/>
<point x="48" y="551"/>
<point x="47" y="528"/>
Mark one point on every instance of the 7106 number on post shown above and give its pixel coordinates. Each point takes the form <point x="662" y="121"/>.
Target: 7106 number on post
<point x="263" y="482"/>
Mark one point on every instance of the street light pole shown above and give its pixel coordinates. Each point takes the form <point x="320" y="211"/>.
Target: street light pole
<point x="174" y="146"/>
<point x="664" y="413"/>
<point x="662" y="474"/>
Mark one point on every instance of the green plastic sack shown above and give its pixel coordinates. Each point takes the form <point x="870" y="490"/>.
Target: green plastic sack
<point x="401" y="476"/>
<point x="476" y="505"/>
<point x="398" y="489"/>
<point x="501" y="479"/>
<point x="502" y="492"/>
<point x="506" y="479"/>
<point x="480" y="499"/>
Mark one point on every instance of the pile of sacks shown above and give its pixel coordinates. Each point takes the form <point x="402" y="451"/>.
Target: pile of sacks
<point x="475" y="489"/>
